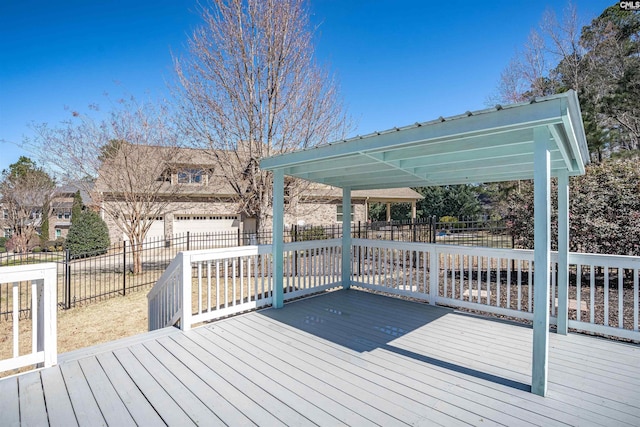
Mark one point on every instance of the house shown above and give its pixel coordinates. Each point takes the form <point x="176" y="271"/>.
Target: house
<point x="193" y="195"/>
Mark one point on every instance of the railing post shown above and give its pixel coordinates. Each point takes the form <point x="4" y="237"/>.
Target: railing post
<point x="185" y="288"/>
<point x="47" y="321"/>
<point x="187" y="240"/>
<point x="434" y="275"/>
<point x="124" y="267"/>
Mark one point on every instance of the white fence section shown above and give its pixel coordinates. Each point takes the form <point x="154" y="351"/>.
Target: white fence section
<point x="200" y="286"/>
<point x="394" y="267"/>
<point x="311" y="267"/>
<point x="603" y="289"/>
<point x="204" y="285"/>
<point x="37" y="282"/>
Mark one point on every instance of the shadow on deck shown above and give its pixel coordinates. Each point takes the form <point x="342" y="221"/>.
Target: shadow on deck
<point x="340" y="358"/>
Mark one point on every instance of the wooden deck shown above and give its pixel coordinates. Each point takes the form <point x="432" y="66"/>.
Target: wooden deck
<point x="343" y="358"/>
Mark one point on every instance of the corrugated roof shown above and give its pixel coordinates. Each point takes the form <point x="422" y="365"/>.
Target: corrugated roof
<point x="489" y="145"/>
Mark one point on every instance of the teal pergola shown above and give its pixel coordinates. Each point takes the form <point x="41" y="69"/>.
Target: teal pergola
<point x="536" y="140"/>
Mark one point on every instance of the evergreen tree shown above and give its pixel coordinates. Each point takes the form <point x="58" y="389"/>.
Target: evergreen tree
<point x="77" y="206"/>
<point x="88" y="235"/>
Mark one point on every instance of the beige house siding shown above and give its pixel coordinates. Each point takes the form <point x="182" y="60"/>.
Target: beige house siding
<point x="314" y="213"/>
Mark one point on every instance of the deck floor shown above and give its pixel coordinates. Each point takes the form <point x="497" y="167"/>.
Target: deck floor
<point x="342" y="358"/>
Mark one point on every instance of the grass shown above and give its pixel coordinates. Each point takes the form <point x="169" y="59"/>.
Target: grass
<point x="87" y="325"/>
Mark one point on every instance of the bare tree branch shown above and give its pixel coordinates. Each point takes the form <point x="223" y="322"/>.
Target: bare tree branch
<point x="250" y="88"/>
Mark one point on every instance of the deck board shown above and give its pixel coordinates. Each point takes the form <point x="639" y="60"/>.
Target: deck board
<point x="108" y="400"/>
<point x="84" y="404"/>
<point x="341" y="358"/>
<point x="10" y="401"/>
<point x="138" y="406"/>
<point x="33" y="410"/>
<point x="59" y="407"/>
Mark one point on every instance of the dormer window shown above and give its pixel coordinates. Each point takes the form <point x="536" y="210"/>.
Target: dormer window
<point x="190" y="176"/>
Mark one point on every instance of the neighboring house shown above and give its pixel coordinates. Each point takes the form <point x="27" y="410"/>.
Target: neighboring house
<point x="61" y="206"/>
<point x="5" y="228"/>
<point x="196" y="199"/>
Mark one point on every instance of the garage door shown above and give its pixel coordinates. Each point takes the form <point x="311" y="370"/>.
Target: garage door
<point x="205" y="223"/>
<point x="155" y="233"/>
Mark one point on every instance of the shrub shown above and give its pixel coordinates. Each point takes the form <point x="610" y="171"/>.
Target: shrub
<point x="54" y="245"/>
<point x="87" y="236"/>
<point x="313" y="233"/>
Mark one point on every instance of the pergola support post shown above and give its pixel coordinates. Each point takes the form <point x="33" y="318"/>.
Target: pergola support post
<point x="278" y="241"/>
<point x="563" y="252"/>
<point x="346" y="238"/>
<point x="542" y="250"/>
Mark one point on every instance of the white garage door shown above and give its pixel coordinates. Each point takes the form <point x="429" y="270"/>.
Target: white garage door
<point x="205" y="223"/>
<point x="155" y="233"/>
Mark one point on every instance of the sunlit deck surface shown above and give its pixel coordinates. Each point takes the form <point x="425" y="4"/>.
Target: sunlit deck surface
<point x="345" y="357"/>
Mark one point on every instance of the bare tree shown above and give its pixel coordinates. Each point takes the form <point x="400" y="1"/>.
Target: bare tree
<point x="124" y="161"/>
<point x="25" y="192"/>
<point x="250" y="88"/>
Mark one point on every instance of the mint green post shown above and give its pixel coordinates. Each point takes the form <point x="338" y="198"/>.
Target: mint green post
<point x="541" y="259"/>
<point x="346" y="238"/>
<point x="278" y="242"/>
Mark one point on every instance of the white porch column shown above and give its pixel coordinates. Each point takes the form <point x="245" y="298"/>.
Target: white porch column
<point x="563" y="252"/>
<point x="413" y="210"/>
<point x="388" y="211"/>
<point x="346" y="238"/>
<point x="278" y="242"/>
<point x="542" y="249"/>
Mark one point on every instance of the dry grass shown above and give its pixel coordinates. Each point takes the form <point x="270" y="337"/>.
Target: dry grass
<point x="85" y="326"/>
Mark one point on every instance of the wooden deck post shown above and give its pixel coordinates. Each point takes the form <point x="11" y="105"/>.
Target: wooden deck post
<point x="563" y="252"/>
<point x="346" y="238"/>
<point x="542" y="249"/>
<point x="278" y="243"/>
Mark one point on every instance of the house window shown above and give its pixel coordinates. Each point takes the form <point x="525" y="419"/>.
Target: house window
<point x="5" y="214"/>
<point x="339" y="213"/>
<point x="64" y="214"/>
<point x="7" y="233"/>
<point x="58" y="233"/>
<point x="190" y="176"/>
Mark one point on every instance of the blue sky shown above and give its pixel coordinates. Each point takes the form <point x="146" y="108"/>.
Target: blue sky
<point x="397" y="62"/>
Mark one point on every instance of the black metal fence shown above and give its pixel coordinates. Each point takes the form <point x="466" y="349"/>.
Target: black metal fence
<point x="92" y="277"/>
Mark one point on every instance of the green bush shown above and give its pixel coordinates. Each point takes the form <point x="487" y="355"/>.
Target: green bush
<point x="3" y="244"/>
<point x="54" y="245"/>
<point x="87" y="236"/>
<point x="313" y="233"/>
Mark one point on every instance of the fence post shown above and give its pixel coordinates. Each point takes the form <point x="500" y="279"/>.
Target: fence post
<point x="433" y="229"/>
<point x="124" y="268"/>
<point x="187" y="240"/>
<point x="414" y="228"/>
<point x="67" y="279"/>
<point x="239" y="237"/>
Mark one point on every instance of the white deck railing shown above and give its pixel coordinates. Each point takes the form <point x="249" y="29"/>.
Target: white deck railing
<point x="204" y="285"/>
<point x="38" y="283"/>
<point x="200" y="286"/>
<point x="603" y="289"/>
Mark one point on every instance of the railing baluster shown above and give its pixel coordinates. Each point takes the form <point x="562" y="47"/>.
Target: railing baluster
<point x="620" y="297"/>
<point x="606" y="295"/>
<point x="16" y="319"/>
